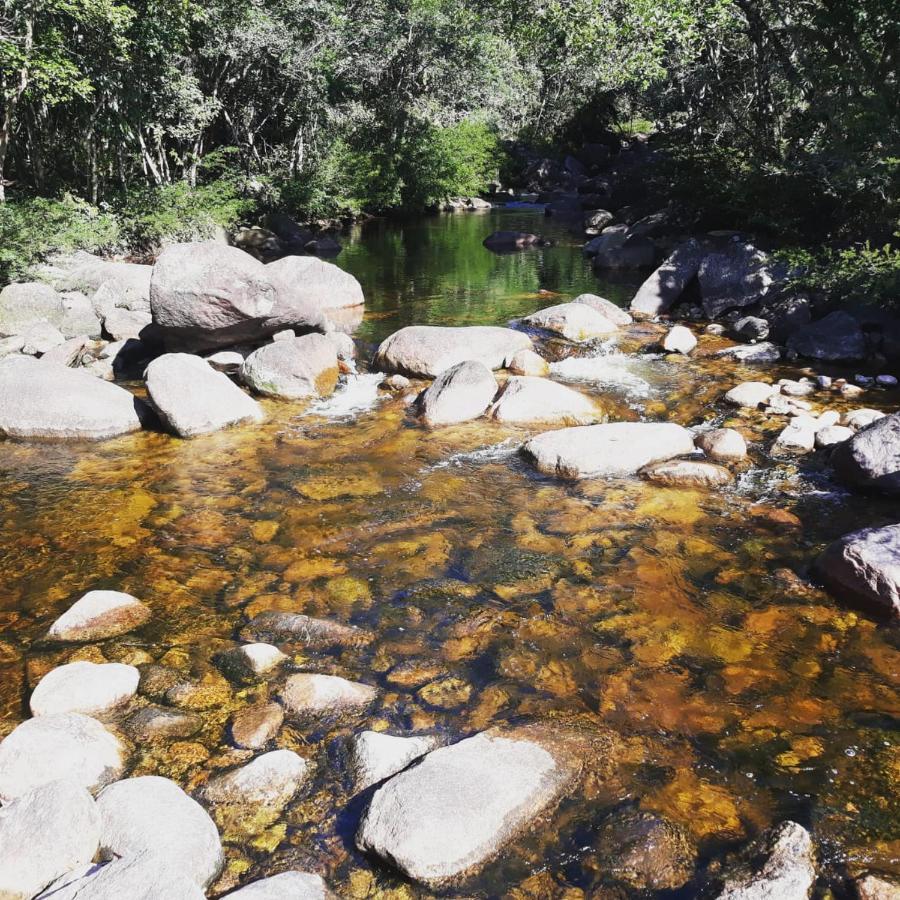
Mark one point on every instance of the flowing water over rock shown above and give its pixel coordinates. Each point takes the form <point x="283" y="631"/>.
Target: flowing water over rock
<point x="722" y="692"/>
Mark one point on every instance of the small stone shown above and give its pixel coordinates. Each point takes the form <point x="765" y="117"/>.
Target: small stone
<point x="84" y="687"/>
<point x="44" y="834"/>
<point x="286" y="886"/>
<point x="527" y="362"/>
<point x="851" y="391"/>
<point x="396" y="382"/>
<point x="376" y="756"/>
<point x="799" y="436"/>
<point x="251" y="661"/>
<point x="294" y="628"/>
<point x="722" y="444"/>
<point x="68" y="746"/>
<point x="98" y="615"/>
<point x="156" y="681"/>
<point x="158" y="723"/>
<point x="252" y="728"/>
<point x="824" y="382"/>
<point x="316" y="695"/>
<point x="687" y="473"/>
<point x="886" y="381"/>
<point x="679" y="340"/>
<point x="751" y="328"/>
<point x="152" y="814"/>
<point x="714" y="328"/>
<point x="751" y="394"/>
<point x="269" y="780"/>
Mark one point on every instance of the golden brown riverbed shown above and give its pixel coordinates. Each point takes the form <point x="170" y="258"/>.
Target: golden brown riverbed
<point x="721" y="690"/>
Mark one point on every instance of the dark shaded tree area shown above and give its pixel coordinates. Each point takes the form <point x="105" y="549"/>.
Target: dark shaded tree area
<point x="778" y="114"/>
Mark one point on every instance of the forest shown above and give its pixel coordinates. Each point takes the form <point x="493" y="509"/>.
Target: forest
<point x="128" y="122"/>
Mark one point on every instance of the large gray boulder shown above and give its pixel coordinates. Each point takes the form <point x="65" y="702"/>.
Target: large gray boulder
<point x="44" y="834"/>
<point x="864" y="568"/>
<point x="735" y="276"/>
<point x="286" y="886"/>
<point x="141" y="876"/>
<point x="781" y="866"/>
<point x="427" y="350"/>
<point x="871" y="459"/>
<point x="620" y="448"/>
<point x="193" y="398"/>
<point x="296" y="369"/>
<point x="835" y="338"/>
<point x="573" y="321"/>
<point x="662" y="290"/>
<point x="98" y="615"/>
<point x="85" y="687"/>
<point x="446" y="817"/>
<point x="459" y="394"/>
<point x="68" y="746"/>
<point x="25" y="303"/>
<point x="528" y="399"/>
<point x="153" y="815"/>
<point x="52" y="402"/>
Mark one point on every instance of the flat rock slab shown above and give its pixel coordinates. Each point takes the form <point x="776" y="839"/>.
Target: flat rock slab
<point x="84" y="687"/>
<point x="43" y="401"/>
<point x="871" y="459"/>
<point x="192" y="398"/>
<point x="154" y="815"/>
<point x="286" y="886"/>
<point x="98" y="615"/>
<point x="525" y="399"/>
<point x="143" y="876"/>
<point x="68" y="746"/>
<point x="574" y="321"/>
<point x="322" y="695"/>
<point x="376" y="756"/>
<point x="864" y="567"/>
<point x="44" y="834"/>
<point x="446" y="817"/>
<point x="459" y="394"/>
<point x="617" y="449"/>
<point x="427" y="350"/>
<point x="278" y="627"/>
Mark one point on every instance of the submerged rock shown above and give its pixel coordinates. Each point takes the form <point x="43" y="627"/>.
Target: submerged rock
<point x="53" y="402"/>
<point x="782" y="867"/>
<point x="268" y="780"/>
<point x="449" y="815"/>
<point x="427" y="350"/>
<point x="152" y="814"/>
<point x="294" y="369"/>
<point x="722" y="444"/>
<point x="864" y="568"/>
<point x="68" y="746"/>
<point x="154" y="723"/>
<point x="376" y="756"/>
<point x="286" y="886"/>
<point x="252" y="728"/>
<point x="505" y="241"/>
<point x="620" y="448"/>
<point x="573" y="321"/>
<point x="646" y="851"/>
<point x="277" y="627"/>
<point x="43" y="835"/>
<point x="871" y="458"/>
<point x="687" y="473"/>
<point x="84" y="687"/>
<point x="752" y="353"/>
<point x="193" y="398"/>
<point x="250" y="661"/>
<point x="98" y="615"/>
<point x="524" y="400"/>
<point x="315" y="695"/>
<point x="459" y="394"/>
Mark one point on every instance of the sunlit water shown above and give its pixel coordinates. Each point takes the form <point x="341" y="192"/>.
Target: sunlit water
<point x="720" y="691"/>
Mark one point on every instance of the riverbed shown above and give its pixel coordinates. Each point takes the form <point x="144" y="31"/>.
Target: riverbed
<point x="675" y="626"/>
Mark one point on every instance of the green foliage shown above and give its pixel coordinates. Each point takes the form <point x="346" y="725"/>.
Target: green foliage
<point x="864" y="274"/>
<point x="30" y="230"/>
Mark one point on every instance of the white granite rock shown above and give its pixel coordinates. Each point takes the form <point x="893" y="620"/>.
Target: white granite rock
<point x="84" y="687"/>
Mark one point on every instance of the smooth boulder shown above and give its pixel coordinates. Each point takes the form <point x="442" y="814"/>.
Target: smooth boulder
<point x="154" y="815"/>
<point x="459" y="394"/>
<point x="680" y="339"/>
<point x="524" y="400"/>
<point x="68" y="746"/>
<point x="722" y="444"/>
<point x="53" y="402"/>
<point x="376" y="756"/>
<point x="527" y="362"/>
<point x="427" y="350"/>
<point x="193" y="398"/>
<point x="43" y="835"/>
<point x="84" y="687"/>
<point x="663" y="289"/>
<point x="751" y="394"/>
<point x="864" y="568"/>
<point x="446" y="817"/>
<point x="871" y="458"/>
<point x="606" y="308"/>
<point x="687" y="473"/>
<point x="98" y="615"/>
<point x="296" y="369"/>
<point x="620" y="448"/>
<point x="574" y="321"/>
<point x="270" y="780"/>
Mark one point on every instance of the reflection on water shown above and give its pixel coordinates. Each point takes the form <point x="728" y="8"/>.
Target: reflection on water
<point x="721" y="690"/>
